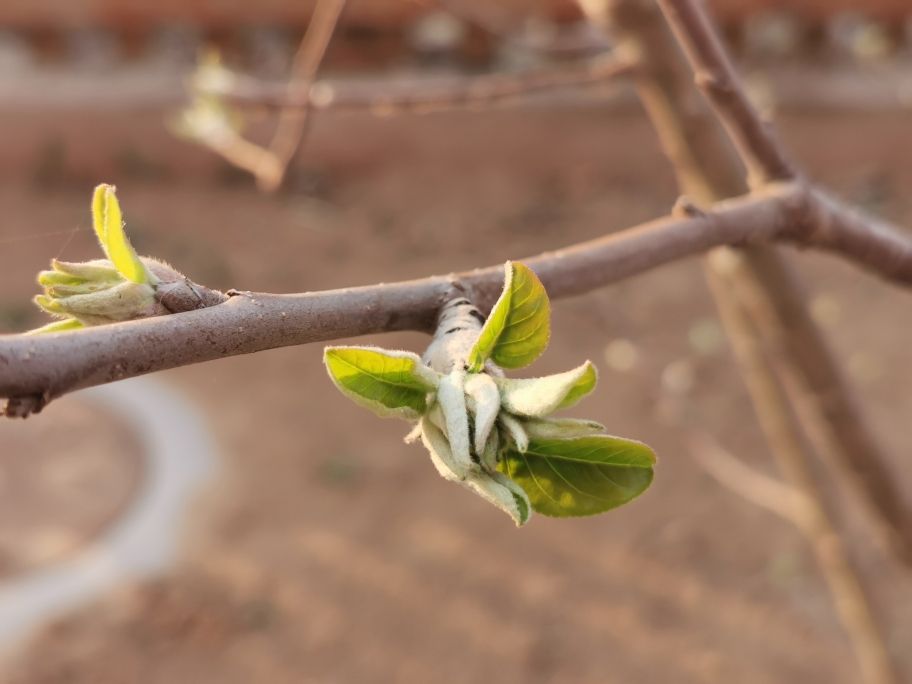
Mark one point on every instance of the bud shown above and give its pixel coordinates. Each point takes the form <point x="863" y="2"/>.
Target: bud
<point x="122" y="287"/>
<point x="94" y="293"/>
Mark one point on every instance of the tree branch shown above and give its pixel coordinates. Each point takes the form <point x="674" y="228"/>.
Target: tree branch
<point x="292" y="123"/>
<point x="826" y="399"/>
<point x="714" y="75"/>
<point x="842" y="228"/>
<point x="47" y="366"/>
<point x="270" y="164"/>
<point x="745" y="481"/>
<point x="810" y="511"/>
<point x="421" y="96"/>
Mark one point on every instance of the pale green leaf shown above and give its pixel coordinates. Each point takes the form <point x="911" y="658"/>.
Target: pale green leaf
<point x="97" y="270"/>
<point x="582" y="476"/>
<point x="499" y="490"/>
<point x="122" y="302"/>
<point x="484" y="403"/>
<point x="392" y="384"/>
<point x="537" y="397"/>
<point x="493" y="487"/>
<point x="514" y="430"/>
<point x="49" y="305"/>
<point x="438" y="447"/>
<point x="452" y="401"/>
<point x="561" y="428"/>
<point x="519" y="326"/>
<point x="582" y="387"/>
<point x="489" y="454"/>
<point x="57" y="279"/>
<point x="57" y="326"/>
<point x="84" y="287"/>
<point x="107" y="220"/>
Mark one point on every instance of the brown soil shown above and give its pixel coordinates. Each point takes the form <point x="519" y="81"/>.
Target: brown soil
<point x="331" y="551"/>
<point x="62" y="479"/>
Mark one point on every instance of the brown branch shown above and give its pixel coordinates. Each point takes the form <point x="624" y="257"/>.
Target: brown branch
<point x="707" y="170"/>
<point x="269" y="164"/>
<point x="244" y="154"/>
<point x="812" y="514"/>
<point x="842" y="228"/>
<point x="715" y="76"/>
<point x="825" y="403"/>
<point x="704" y="166"/>
<point x="833" y="418"/>
<point x="748" y="483"/>
<point x="50" y="365"/>
<point x="292" y="123"/>
<point x="460" y="92"/>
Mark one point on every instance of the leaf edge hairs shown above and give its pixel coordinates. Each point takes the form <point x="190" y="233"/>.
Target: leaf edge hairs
<point x="493" y="434"/>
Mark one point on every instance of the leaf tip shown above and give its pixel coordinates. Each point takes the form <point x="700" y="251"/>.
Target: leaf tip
<point x="107" y="220"/>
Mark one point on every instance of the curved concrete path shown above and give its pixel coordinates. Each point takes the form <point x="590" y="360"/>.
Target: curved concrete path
<point x="179" y="456"/>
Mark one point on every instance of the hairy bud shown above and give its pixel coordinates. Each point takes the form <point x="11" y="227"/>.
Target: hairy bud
<point x="122" y="287"/>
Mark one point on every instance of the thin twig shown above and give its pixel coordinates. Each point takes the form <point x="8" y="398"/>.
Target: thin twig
<point x="52" y="364"/>
<point x="422" y="96"/>
<point x="714" y="75"/>
<point x="745" y="481"/>
<point x="813" y="517"/>
<point x="244" y="154"/>
<point x="292" y="123"/>
<point x="833" y="417"/>
<point x="269" y="164"/>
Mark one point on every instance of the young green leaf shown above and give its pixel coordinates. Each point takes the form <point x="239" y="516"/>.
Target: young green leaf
<point x="484" y="403"/>
<point x="519" y="327"/>
<point x="452" y="401"/>
<point x="60" y="291"/>
<point x="515" y="430"/>
<point x="493" y="487"/>
<point x="446" y="463"/>
<point x="537" y="397"/>
<point x="489" y="455"/>
<point x="392" y="384"/>
<point x="122" y="302"/>
<point x="57" y="279"/>
<point x="503" y="493"/>
<point x="97" y="270"/>
<point x="561" y="428"/>
<point x="107" y="220"/>
<point x="57" y="326"/>
<point x="49" y="305"/>
<point x="582" y="476"/>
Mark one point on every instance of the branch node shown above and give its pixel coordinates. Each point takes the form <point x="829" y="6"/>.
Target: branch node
<point x="709" y="80"/>
<point x="684" y="207"/>
<point x="456" y="289"/>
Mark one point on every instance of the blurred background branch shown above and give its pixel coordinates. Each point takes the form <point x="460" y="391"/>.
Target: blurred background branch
<point x="831" y="410"/>
<point x="807" y="506"/>
<point x="269" y="164"/>
<point x="421" y="96"/>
